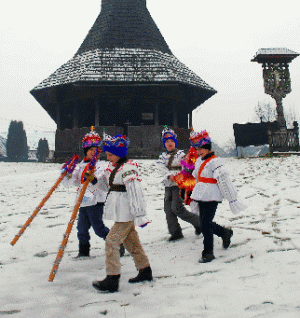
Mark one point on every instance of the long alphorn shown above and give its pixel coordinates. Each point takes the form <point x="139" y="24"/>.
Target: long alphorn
<point x="65" y="239"/>
<point x="72" y="163"/>
<point x="68" y="232"/>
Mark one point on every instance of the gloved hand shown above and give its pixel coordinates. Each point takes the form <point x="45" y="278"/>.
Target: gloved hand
<point x="90" y="177"/>
<point x="141" y="221"/>
<point x="68" y="175"/>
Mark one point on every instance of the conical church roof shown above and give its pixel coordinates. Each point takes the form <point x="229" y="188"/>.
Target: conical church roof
<point x="123" y="46"/>
<point x="124" y="24"/>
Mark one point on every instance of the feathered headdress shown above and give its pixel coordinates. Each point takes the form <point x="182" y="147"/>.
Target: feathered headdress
<point x="92" y="139"/>
<point x="168" y="133"/>
<point x="117" y="145"/>
<point x="199" y="139"/>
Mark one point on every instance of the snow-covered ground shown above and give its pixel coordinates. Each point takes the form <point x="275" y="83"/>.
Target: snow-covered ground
<point x="258" y="276"/>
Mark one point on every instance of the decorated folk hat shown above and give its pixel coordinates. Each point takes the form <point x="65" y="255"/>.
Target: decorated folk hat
<point x="117" y="145"/>
<point x="168" y="133"/>
<point x="199" y="139"/>
<point x="92" y="139"/>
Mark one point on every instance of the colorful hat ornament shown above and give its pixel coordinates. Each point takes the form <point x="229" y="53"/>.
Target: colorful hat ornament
<point x="168" y="133"/>
<point x="117" y="145"/>
<point x="199" y="139"/>
<point x="92" y="139"/>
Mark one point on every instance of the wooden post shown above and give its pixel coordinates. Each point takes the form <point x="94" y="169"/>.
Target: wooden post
<point x="270" y="139"/>
<point x="97" y="112"/>
<point x="75" y="116"/>
<point x="190" y="123"/>
<point x="280" y="114"/>
<point x="296" y="128"/>
<point x="156" y="115"/>
<point x="175" y="118"/>
<point x="57" y="109"/>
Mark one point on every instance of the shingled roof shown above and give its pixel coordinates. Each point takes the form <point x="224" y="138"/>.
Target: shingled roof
<point x="276" y="54"/>
<point x="124" y="24"/>
<point x="124" y="46"/>
<point x="123" y="65"/>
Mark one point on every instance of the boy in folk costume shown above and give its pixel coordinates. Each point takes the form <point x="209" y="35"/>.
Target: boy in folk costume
<point x="169" y="165"/>
<point x="91" y="208"/>
<point x="125" y="204"/>
<point x="212" y="185"/>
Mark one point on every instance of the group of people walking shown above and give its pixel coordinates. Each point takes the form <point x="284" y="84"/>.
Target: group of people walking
<point x="115" y="193"/>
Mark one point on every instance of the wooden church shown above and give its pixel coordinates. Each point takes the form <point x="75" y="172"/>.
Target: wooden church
<point x="123" y="79"/>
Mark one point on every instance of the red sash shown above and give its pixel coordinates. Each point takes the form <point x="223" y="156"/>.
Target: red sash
<point x="203" y="179"/>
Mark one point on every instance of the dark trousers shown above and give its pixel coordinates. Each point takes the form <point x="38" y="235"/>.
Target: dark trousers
<point x="209" y="228"/>
<point x="91" y="216"/>
<point x="174" y="209"/>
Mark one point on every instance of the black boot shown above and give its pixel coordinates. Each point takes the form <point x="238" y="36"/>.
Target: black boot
<point x="207" y="256"/>
<point x="109" y="284"/>
<point x="122" y="250"/>
<point x="227" y="237"/>
<point x="198" y="230"/>
<point x="84" y="250"/>
<point x="176" y="236"/>
<point x="144" y="274"/>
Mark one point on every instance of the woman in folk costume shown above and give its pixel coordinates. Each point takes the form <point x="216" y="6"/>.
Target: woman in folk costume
<point x="91" y="208"/>
<point x="125" y="204"/>
<point x="212" y="185"/>
<point x="169" y="165"/>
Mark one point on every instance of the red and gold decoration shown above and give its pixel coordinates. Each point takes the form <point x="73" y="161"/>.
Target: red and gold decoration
<point x="92" y="139"/>
<point x="198" y="139"/>
<point x="185" y="179"/>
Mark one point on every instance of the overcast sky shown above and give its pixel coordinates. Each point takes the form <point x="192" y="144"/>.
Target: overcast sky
<point x="215" y="39"/>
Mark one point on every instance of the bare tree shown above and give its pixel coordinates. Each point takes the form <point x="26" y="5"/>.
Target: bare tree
<point x="290" y="116"/>
<point x="265" y="112"/>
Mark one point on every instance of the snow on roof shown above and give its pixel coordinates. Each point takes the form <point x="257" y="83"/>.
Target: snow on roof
<point x="265" y="54"/>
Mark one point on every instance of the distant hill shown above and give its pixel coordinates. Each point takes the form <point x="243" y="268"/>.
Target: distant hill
<point x="219" y="151"/>
<point x="245" y="152"/>
<point x="253" y="151"/>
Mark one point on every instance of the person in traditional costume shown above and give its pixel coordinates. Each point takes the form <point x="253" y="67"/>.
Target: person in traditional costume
<point x="169" y="164"/>
<point x="213" y="183"/>
<point x="125" y="205"/>
<point x="91" y="207"/>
